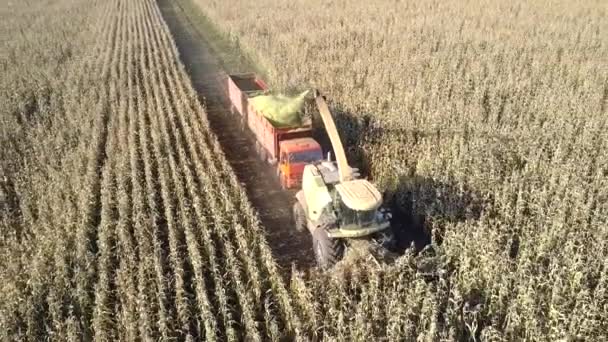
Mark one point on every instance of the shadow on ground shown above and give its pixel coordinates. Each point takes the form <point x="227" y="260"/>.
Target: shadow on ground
<point x="415" y="201"/>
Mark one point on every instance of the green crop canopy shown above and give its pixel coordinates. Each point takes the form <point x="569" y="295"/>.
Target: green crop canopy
<point x="281" y="110"/>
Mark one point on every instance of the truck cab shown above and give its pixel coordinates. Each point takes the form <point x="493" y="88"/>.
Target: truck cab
<point x="295" y="154"/>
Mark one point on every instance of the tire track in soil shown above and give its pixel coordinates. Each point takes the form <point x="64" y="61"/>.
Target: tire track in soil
<point x="273" y="204"/>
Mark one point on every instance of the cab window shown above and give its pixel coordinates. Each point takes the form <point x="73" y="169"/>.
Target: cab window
<point x="308" y="157"/>
<point x="353" y="218"/>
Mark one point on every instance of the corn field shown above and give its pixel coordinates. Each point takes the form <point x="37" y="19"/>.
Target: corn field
<point x="122" y="219"/>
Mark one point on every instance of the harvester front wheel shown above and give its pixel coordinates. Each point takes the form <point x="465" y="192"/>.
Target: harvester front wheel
<point x="328" y="251"/>
<point x="299" y="217"/>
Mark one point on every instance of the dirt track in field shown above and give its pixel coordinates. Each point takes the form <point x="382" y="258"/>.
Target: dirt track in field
<point x="207" y="72"/>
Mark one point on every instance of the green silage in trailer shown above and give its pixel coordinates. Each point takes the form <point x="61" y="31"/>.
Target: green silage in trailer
<point x="281" y="110"/>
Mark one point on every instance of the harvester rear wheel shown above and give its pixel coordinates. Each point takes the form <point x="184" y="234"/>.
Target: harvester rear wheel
<point x="328" y="251"/>
<point x="299" y="217"/>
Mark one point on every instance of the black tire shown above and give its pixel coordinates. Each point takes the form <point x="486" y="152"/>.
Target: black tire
<point x="299" y="217"/>
<point x="327" y="251"/>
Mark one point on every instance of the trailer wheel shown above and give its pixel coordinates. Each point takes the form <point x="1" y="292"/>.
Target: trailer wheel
<point x="299" y="217"/>
<point x="263" y="156"/>
<point x="328" y="251"/>
<point x="281" y="180"/>
<point x="258" y="150"/>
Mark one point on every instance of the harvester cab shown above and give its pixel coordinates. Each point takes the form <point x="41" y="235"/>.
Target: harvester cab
<point x="334" y="205"/>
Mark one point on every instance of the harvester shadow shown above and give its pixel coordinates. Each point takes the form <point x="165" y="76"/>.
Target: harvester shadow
<point x="416" y="202"/>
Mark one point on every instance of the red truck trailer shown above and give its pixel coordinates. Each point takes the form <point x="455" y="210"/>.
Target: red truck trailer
<point x="289" y="148"/>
